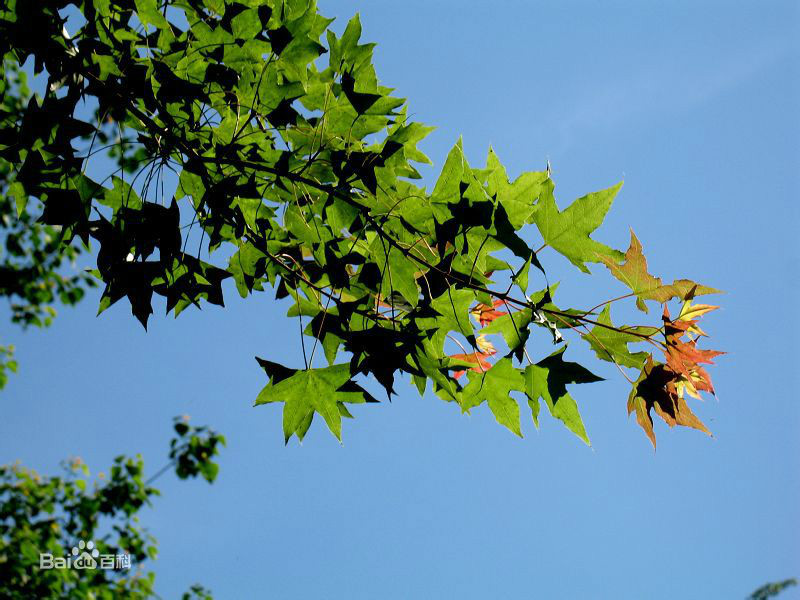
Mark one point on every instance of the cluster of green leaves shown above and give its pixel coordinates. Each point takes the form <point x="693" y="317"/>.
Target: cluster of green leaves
<point x="193" y="448"/>
<point x="33" y="260"/>
<point x="50" y="514"/>
<point x="770" y="590"/>
<point x="7" y="363"/>
<point x="298" y="171"/>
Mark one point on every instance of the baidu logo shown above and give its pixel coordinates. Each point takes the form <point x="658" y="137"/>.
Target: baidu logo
<point x="85" y="556"/>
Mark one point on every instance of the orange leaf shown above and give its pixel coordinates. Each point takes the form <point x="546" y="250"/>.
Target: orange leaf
<point x="633" y="273"/>
<point x="486" y="314"/>
<point x="683" y="357"/>
<point x="661" y="387"/>
<point x="657" y="389"/>
<point x="476" y="358"/>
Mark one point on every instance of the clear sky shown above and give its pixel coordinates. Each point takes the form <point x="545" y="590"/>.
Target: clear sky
<point x="695" y="105"/>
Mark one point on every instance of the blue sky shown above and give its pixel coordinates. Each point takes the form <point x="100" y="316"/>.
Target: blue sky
<point x="695" y="106"/>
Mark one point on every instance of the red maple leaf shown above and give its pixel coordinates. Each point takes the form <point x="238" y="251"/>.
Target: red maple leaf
<point x="477" y="358"/>
<point x="486" y="314"/>
<point x="684" y="357"/>
<point x="661" y="387"/>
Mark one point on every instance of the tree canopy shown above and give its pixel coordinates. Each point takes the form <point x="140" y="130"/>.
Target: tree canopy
<point x="49" y="515"/>
<point x="249" y="141"/>
<point x="32" y="265"/>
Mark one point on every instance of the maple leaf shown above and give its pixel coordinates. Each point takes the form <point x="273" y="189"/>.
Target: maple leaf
<point x="661" y="386"/>
<point x="656" y="389"/>
<point x="548" y="380"/>
<point x="568" y="231"/>
<point x="304" y="393"/>
<point x="451" y="314"/>
<point x="517" y="198"/>
<point x="633" y="273"/>
<point x="513" y="327"/>
<point x="690" y="312"/>
<point x="612" y="344"/>
<point x="477" y="357"/>
<point x="684" y="357"/>
<point x="485" y="314"/>
<point x="495" y="386"/>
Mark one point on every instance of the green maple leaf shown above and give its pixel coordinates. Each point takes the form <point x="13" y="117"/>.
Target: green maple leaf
<point x="633" y="273"/>
<point x="548" y="380"/>
<point x="568" y="231"/>
<point x="398" y="272"/>
<point x="512" y="326"/>
<point x="121" y="194"/>
<point x="612" y="346"/>
<point x="148" y="13"/>
<point x="305" y="392"/>
<point x="453" y="173"/>
<point x="243" y="266"/>
<point x="495" y="386"/>
<point x="518" y="198"/>
<point x="452" y="309"/>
